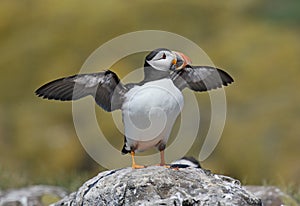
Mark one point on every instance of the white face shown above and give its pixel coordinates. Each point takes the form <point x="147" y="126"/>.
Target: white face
<point x="162" y="61"/>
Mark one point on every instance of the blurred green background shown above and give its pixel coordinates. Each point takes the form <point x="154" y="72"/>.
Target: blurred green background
<point x="257" y="42"/>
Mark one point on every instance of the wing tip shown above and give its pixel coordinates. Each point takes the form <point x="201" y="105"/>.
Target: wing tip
<point x="43" y="93"/>
<point x="225" y="77"/>
<point x="49" y="97"/>
<point x="39" y="93"/>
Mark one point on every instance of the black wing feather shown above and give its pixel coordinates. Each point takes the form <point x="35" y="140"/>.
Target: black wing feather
<point x="200" y="78"/>
<point x="105" y="87"/>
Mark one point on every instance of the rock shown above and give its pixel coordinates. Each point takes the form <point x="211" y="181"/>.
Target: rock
<point x="160" y="186"/>
<point x="271" y="196"/>
<point x="35" y="195"/>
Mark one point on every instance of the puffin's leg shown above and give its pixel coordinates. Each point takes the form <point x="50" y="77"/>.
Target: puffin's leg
<point x="162" y="158"/>
<point x="161" y="148"/>
<point x="135" y="166"/>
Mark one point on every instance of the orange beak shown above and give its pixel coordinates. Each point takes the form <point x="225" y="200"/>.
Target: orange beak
<point x="174" y="61"/>
<point x="181" y="60"/>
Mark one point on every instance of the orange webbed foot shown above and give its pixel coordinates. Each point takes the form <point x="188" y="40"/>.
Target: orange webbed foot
<point x="163" y="165"/>
<point x="135" y="166"/>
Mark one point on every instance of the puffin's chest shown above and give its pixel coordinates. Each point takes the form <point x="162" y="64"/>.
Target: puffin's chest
<point x="156" y="96"/>
<point x="149" y="112"/>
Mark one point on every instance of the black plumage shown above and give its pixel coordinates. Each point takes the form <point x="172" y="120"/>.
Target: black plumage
<point x="200" y="78"/>
<point x="105" y="87"/>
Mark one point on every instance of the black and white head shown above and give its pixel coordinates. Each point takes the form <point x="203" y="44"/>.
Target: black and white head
<point x="165" y="60"/>
<point x="186" y="162"/>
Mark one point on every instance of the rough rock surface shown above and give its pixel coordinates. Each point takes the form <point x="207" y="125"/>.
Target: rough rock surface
<point x="34" y="195"/>
<point x="160" y="186"/>
<point x="271" y="196"/>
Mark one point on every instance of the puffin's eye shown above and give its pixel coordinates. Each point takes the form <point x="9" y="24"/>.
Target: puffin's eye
<point x="160" y="56"/>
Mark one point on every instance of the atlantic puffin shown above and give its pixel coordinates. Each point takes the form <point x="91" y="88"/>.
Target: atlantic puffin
<point x="150" y="107"/>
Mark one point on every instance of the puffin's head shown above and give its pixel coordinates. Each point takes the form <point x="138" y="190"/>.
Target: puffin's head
<point x="165" y="60"/>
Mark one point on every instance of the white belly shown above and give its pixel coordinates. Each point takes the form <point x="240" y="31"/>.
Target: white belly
<point x="149" y="112"/>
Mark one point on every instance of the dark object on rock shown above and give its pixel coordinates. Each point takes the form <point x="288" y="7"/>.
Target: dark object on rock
<point x="185" y="162"/>
<point x="271" y="196"/>
<point x="35" y="195"/>
<point x="157" y="185"/>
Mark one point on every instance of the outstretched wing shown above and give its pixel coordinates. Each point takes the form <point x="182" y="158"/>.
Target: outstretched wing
<point x="105" y="87"/>
<point x="200" y="78"/>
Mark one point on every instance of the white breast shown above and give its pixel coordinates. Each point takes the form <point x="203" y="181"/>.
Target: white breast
<point x="149" y="112"/>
